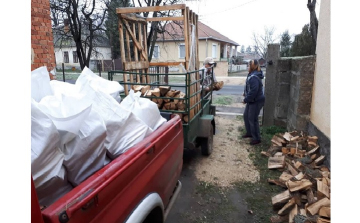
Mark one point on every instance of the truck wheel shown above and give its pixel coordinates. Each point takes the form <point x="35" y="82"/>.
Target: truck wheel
<point x="207" y="143"/>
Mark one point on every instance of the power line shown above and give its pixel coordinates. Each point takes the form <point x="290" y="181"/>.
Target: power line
<point x="228" y="9"/>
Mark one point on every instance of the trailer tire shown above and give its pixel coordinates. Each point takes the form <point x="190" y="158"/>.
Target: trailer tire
<point x="207" y="143"/>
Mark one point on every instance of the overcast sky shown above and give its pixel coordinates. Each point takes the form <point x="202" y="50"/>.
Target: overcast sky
<point x="238" y="19"/>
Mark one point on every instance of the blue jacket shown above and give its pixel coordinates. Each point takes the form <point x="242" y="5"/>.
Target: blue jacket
<point x="254" y="91"/>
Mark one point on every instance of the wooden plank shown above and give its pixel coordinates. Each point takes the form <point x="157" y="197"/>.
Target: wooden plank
<point x="322" y="190"/>
<point x="136" y="56"/>
<point x="314" y="208"/>
<point x="284" y="177"/>
<point x="325" y="212"/>
<point x="165" y="19"/>
<point x="145" y="47"/>
<point x="298" y="185"/>
<point x="293" y="212"/>
<point x="287" y="207"/>
<point x="133" y="18"/>
<point x="136" y="65"/>
<point x="164" y="64"/>
<point x="281" y="198"/>
<point x="276" y="162"/>
<point x="150" y="8"/>
<point x="123" y="58"/>
<point x="197" y="62"/>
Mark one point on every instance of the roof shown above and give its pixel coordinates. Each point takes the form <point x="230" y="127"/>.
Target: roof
<point x="175" y="32"/>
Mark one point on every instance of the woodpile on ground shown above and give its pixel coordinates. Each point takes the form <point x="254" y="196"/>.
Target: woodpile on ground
<point x="172" y="100"/>
<point x="306" y="198"/>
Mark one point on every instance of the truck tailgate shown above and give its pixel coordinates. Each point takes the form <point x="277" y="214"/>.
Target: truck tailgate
<point x="112" y="193"/>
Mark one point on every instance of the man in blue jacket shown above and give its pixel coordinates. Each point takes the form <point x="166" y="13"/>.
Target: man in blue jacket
<point x="254" y="100"/>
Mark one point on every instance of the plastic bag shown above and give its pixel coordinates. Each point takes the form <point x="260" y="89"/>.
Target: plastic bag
<point x="59" y="88"/>
<point x="40" y="83"/>
<point x="88" y="78"/>
<point x="144" y="109"/>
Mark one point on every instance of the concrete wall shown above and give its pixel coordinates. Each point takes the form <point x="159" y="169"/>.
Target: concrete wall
<point x="42" y="48"/>
<point x="320" y="106"/>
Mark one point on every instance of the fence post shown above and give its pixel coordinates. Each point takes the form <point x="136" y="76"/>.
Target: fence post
<point x="63" y="72"/>
<point x="99" y="68"/>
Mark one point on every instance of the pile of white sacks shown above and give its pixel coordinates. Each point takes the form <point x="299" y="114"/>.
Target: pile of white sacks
<point x="76" y="129"/>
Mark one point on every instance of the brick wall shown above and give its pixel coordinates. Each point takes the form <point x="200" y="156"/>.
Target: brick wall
<point x="42" y="48"/>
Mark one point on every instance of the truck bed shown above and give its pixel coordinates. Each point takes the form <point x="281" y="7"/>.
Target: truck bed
<point x="112" y="193"/>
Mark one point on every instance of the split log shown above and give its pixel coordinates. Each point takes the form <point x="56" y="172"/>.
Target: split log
<point x="298" y="185"/>
<point x="297" y="196"/>
<point x="313" y="156"/>
<point x="314" y="208"/>
<point x="326" y="181"/>
<point x="303" y="198"/>
<point x="293" y="212"/>
<point x="312" y="144"/>
<point x="278" y="154"/>
<point x="277" y="182"/>
<point x="312" y="139"/>
<point x="281" y="198"/>
<point x="156" y="92"/>
<point x="265" y="153"/>
<point x="287" y="207"/>
<point x="313" y="151"/>
<point x="276" y="162"/>
<point x="279" y="219"/>
<point x="294" y="138"/>
<point x="186" y="118"/>
<point x="320" y="160"/>
<point x="274" y="149"/>
<point x="322" y="190"/>
<point x="300" y="176"/>
<point x="303" y="212"/>
<point x="149" y="93"/>
<point x="164" y="90"/>
<point x="180" y="95"/>
<point x="325" y="212"/>
<point x="285" y="150"/>
<point x="277" y="140"/>
<point x="322" y="220"/>
<point x="284" y="177"/>
<point x="137" y="88"/>
<point x="287" y="136"/>
<point x="181" y="106"/>
<point x="292" y="170"/>
<point x="298" y="165"/>
<point x="145" y="89"/>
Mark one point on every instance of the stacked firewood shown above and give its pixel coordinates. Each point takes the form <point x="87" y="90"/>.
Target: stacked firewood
<point x="172" y="99"/>
<point x="306" y="181"/>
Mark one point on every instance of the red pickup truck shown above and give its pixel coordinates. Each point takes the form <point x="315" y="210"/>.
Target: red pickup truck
<point x="138" y="186"/>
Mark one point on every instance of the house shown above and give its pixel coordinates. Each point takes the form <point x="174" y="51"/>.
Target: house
<point x="170" y="46"/>
<point x="65" y="52"/>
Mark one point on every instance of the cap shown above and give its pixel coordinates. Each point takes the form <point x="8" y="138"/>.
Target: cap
<point x="209" y="60"/>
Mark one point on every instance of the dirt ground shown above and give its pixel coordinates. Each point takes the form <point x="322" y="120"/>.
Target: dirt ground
<point x="209" y="192"/>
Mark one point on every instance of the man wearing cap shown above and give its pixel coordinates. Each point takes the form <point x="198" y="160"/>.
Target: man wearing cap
<point x="208" y="65"/>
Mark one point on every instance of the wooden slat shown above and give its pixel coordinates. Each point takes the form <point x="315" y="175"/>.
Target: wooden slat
<point x="128" y="45"/>
<point x="136" y="65"/>
<point x="150" y="8"/>
<point x="122" y="51"/>
<point x="136" y="56"/>
<point x="146" y="50"/>
<point x="133" y="18"/>
<point x="165" y="19"/>
<point x="137" y="44"/>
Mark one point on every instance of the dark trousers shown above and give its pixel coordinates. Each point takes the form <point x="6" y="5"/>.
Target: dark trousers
<point x="251" y="119"/>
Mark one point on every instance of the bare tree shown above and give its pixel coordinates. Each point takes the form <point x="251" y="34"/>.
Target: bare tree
<point x="261" y="41"/>
<point x="313" y="24"/>
<point x="80" y="21"/>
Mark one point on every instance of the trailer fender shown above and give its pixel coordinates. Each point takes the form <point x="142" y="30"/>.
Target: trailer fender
<point x="205" y="123"/>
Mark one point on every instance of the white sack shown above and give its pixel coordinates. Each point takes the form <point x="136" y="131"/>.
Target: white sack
<point x="60" y="87"/>
<point x="144" y="109"/>
<point x="67" y="112"/>
<point x="46" y="158"/>
<point x="86" y="153"/>
<point x="88" y="78"/>
<point x="123" y="128"/>
<point x="40" y="83"/>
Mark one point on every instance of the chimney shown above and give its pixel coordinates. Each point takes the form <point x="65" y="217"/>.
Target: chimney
<point x="66" y="25"/>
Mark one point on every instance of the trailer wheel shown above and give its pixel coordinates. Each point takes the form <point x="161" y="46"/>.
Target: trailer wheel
<point x="207" y="143"/>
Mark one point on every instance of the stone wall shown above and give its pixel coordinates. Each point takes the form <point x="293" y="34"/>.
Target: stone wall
<point x="42" y="46"/>
<point x="288" y="90"/>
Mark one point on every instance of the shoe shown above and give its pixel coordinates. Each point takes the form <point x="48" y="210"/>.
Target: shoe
<point x="246" y="136"/>
<point x="254" y="142"/>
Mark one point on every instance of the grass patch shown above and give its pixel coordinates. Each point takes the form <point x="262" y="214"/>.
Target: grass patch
<point x="259" y="194"/>
<point x="59" y="76"/>
<point x="223" y="100"/>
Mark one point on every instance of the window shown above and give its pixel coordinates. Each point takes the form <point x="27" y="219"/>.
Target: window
<point x="214" y="50"/>
<point x="66" y="57"/>
<point x="182" y="51"/>
<point x="156" y="52"/>
<point x="75" y="57"/>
